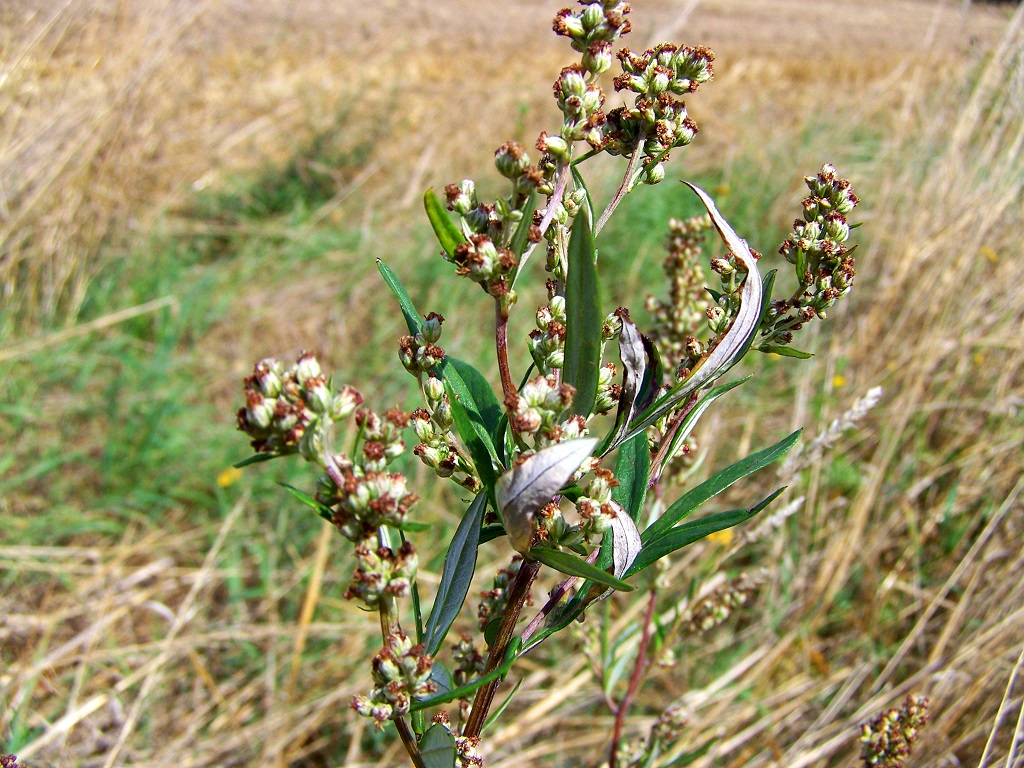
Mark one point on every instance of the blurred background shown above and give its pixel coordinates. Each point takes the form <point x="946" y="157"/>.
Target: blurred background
<point x="187" y="186"/>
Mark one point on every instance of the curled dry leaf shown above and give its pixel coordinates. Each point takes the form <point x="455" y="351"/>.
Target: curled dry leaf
<point x="531" y="484"/>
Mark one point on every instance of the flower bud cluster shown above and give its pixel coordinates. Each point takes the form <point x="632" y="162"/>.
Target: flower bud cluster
<point x="592" y="30"/>
<point x="670" y="724"/>
<point x="547" y="343"/>
<point x="608" y="391"/>
<point x="469" y="662"/>
<point x="381" y="572"/>
<point x="535" y="410"/>
<point x="887" y="739"/>
<point x="824" y="266"/>
<point x="420" y="353"/>
<point x="365" y="500"/>
<point x="680" y="316"/>
<point x="657" y="119"/>
<point x="580" y="102"/>
<point x="401" y="673"/>
<point x="381" y="436"/>
<point x="596" y="507"/>
<point x="438" y="448"/>
<point x="495" y="599"/>
<point x="513" y="163"/>
<point x="476" y="217"/>
<point x="288" y="411"/>
<point x="486" y="264"/>
<point x="712" y="610"/>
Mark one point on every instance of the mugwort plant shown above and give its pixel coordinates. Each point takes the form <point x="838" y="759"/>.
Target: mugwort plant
<point x="571" y="460"/>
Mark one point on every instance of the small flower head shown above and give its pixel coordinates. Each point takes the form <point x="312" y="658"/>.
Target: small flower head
<point x="401" y="673"/>
<point x="887" y="739"/>
<point x="486" y="264"/>
<point x="287" y="411"/>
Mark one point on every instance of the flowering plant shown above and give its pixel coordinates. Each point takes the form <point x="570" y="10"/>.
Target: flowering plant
<point x="562" y="463"/>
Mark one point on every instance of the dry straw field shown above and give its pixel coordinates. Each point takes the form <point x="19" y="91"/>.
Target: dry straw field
<point x="209" y="635"/>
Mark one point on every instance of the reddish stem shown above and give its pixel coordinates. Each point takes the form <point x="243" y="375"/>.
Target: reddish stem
<point x="517" y="594"/>
<point x="508" y="387"/>
<point x="634" y="681"/>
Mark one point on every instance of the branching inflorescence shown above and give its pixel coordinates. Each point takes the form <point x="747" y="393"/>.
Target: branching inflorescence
<point x="566" y="487"/>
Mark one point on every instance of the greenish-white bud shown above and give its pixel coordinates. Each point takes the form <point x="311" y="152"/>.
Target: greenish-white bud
<point x="306" y="367"/>
<point x="318" y="395"/>
<point x="431" y="328"/>
<point x="553" y="145"/>
<point x="433" y="388"/>
<point x="592" y="16"/>
<point x="654" y="173"/>
<point x="511" y="160"/>
<point x="598" y="57"/>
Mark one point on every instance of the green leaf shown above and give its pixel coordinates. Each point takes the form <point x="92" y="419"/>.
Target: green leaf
<point x="492" y="532"/>
<point x="256" y="458"/>
<point x="413" y="318"/>
<point x="711" y="487"/>
<point x="491" y="631"/>
<point x="437" y="747"/>
<point x="583" y="317"/>
<point x="456" y="575"/>
<point x="521" y="237"/>
<point x="471" y="428"/>
<point x="574" y="566"/>
<point x="632" y="467"/>
<point x="695" y="530"/>
<point x="411" y="526"/>
<point x="581" y="183"/>
<point x="479" y="388"/>
<point x="321" y="509"/>
<point x="778" y="349"/>
<point x="447" y="232"/>
<point x="442" y="676"/>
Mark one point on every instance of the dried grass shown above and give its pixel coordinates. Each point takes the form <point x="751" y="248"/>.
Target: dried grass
<point x="130" y="653"/>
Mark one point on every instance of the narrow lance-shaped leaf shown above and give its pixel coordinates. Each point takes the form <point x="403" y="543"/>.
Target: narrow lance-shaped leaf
<point x="632" y="466"/>
<point x="456" y="576"/>
<point x="571" y="565"/>
<point x="687" y="533"/>
<point x="527" y="487"/>
<point x="448" y="234"/>
<point x="625" y="544"/>
<point x="520" y="240"/>
<point x="582" y="317"/>
<point x="476" y="383"/>
<point x="733" y="342"/>
<point x="778" y="349"/>
<point x="310" y="501"/>
<point x="412" y="317"/>
<point x="714" y="485"/>
<point x="471" y="429"/>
